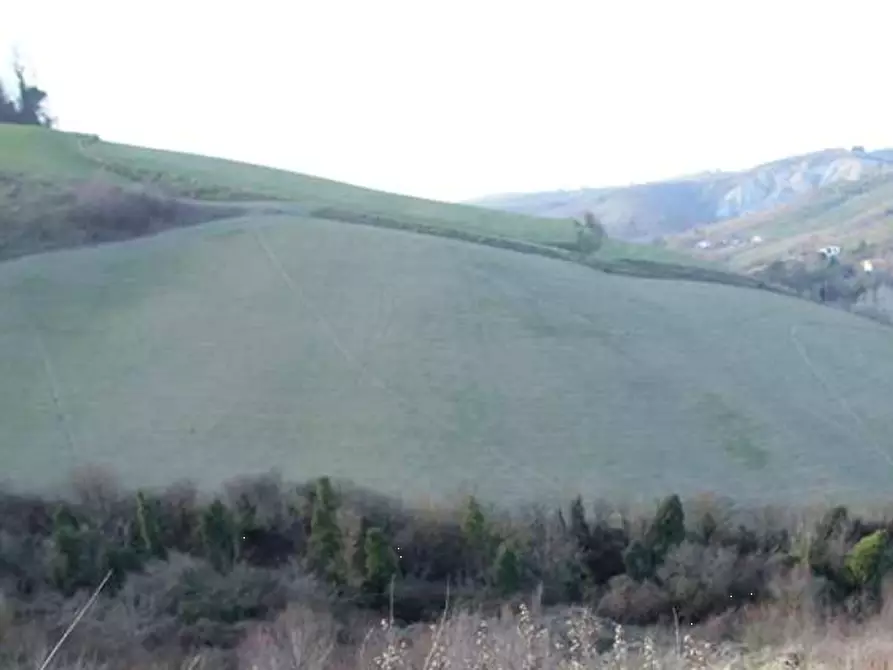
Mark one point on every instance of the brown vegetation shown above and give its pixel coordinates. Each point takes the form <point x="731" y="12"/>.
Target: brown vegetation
<point x="38" y="216"/>
<point x="193" y="574"/>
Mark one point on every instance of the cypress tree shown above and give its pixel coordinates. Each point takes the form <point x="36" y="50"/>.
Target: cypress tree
<point x="325" y="547"/>
<point x="68" y="561"/>
<point x="358" y="553"/>
<point x="477" y="536"/>
<point x="149" y="527"/>
<point x="507" y="570"/>
<point x="667" y="530"/>
<point x="578" y="526"/>
<point x="381" y="562"/>
<point x="246" y="523"/>
<point x="217" y="531"/>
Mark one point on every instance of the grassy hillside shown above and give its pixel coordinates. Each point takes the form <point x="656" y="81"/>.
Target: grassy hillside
<point x="418" y="365"/>
<point x="845" y="215"/>
<point x="41" y="172"/>
<point x="286" y="336"/>
<point x="38" y="152"/>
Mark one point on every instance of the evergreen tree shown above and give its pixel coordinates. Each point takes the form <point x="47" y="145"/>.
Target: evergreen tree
<point x="667" y="530"/>
<point x="246" y="523"/>
<point x="639" y="561"/>
<point x="507" y="570"/>
<point x="149" y="527"/>
<point x="8" y="109"/>
<point x="381" y="562"/>
<point x="69" y="551"/>
<point x="218" y="536"/>
<point x="358" y="553"/>
<point x="82" y="555"/>
<point x="325" y="550"/>
<point x="28" y="107"/>
<point x="823" y="559"/>
<point x="590" y="234"/>
<point x="31" y="101"/>
<point x="579" y="528"/>
<point x="476" y="532"/>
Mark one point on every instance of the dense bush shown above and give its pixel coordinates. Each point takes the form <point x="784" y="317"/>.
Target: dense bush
<point x="195" y="569"/>
<point x="590" y="234"/>
<point x="831" y="282"/>
<point x="41" y="216"/>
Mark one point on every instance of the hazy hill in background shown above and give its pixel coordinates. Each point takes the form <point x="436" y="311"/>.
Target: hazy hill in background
<point x="644" y="212"/>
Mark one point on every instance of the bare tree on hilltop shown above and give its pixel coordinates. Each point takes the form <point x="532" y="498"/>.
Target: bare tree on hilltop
<point x="25" y="105"/>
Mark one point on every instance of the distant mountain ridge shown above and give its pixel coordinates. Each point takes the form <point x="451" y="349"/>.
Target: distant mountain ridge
<point x="643" y="212"/>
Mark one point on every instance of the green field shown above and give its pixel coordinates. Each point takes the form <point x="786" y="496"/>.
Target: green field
<point x="36" y="156"/>
<point x="419" y="365"/>
<point x="415" y="364"/>
<point x="38" y="152"/>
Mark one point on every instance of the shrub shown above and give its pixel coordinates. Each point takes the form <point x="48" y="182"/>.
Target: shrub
<point x="81" y="559"/>
<point x="590" y="234"/>
<point x="433" y="547"/>
<point x="301" y="638"/>
<point x="43" y="215"/>
<point x="865" y="563"/>
<point x="637" y="570"/>
<point x="191" y="597"/>
<point x="700" y="580"/>
<point x="632" y="602"/>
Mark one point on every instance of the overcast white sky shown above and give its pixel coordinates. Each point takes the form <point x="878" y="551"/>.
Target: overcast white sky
<point x="463" y="98"/>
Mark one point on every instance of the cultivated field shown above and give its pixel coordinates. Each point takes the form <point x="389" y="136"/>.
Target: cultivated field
<point x="418" y="365"/>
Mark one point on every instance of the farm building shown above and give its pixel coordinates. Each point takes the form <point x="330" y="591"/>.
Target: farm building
<point x="829" y="252"/>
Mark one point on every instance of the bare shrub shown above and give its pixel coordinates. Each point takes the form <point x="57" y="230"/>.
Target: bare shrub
<point x="96" y="489"/>
<point x="633" y="602"/>
<point x="40" y="216"/>
<point x="301" y="638"/>
<point x="105" y="211"/>
<point x="701" y="580"/>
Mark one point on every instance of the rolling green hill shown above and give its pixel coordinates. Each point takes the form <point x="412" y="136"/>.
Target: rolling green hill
<point x="43" y="168"/>
<point x="419" y="365"/>
<point x="283" y="335"/>
<point x="35" y="152"/>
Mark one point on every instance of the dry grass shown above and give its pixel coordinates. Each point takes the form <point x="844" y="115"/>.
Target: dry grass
<point x="527" y="638"/>
<point x="578" y="640"/>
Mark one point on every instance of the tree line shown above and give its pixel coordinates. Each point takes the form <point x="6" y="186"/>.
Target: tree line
<point x="243" y="548"/>
<point x="24" y="104"/>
